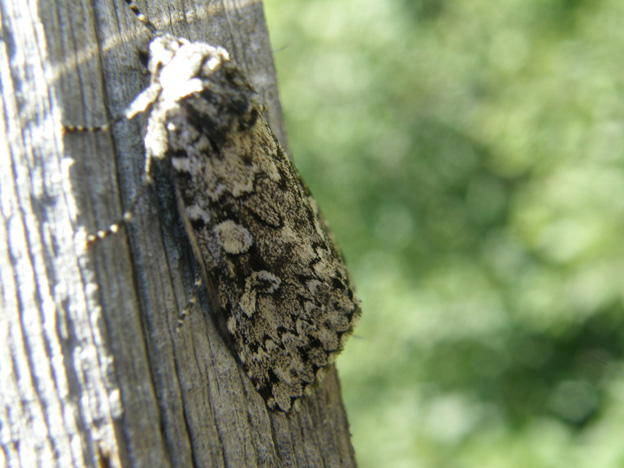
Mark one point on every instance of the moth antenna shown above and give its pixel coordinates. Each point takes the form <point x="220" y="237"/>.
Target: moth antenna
<point x="141" y="17"/>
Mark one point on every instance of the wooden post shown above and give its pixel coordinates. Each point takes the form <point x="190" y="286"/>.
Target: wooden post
<point x="96" y="370"/>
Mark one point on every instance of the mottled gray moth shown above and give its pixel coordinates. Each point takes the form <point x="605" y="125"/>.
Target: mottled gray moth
<point x="277" y="276"/>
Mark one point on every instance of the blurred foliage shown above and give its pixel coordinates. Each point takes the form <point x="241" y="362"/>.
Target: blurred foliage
<point x="469" y="156"/>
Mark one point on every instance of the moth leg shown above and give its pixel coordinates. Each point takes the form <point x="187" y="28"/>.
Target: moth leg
<point x="82" y="129"/>
<point x="127" y="216"/>
<point x="190" y="303"/>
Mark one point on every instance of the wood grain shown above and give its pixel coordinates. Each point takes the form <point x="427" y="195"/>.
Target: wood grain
<point x="96" y="370"/>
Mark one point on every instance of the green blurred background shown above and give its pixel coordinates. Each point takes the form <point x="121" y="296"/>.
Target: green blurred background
<point x="469" y="156"/>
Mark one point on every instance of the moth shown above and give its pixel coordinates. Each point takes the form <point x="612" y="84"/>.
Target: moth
<point x="276" y="273"/>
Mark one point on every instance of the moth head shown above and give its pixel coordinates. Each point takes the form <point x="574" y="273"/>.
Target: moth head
<point x="176" y="60"/>
<point x="204" y="74"/>
<point x="162" y="50"/>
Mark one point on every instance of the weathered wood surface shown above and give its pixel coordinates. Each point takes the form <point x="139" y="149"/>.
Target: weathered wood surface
<point x="95" y="369"/>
